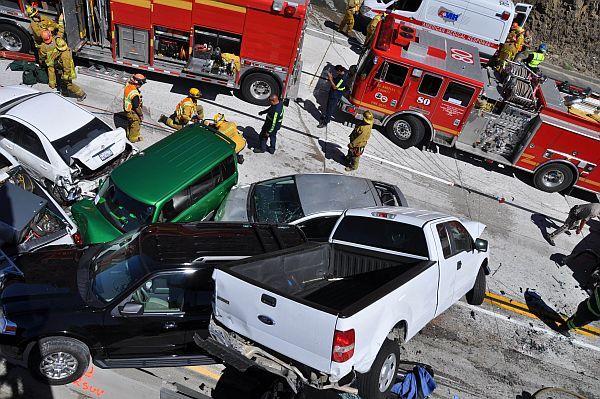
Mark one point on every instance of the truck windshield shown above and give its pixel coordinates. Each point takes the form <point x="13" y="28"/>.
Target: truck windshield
<point x="383" y="233"/>
<point x="117" y="267"/>
<point x="276" y="201"/>
<point x="72" y="143"/>
<point x="123" y="212"/>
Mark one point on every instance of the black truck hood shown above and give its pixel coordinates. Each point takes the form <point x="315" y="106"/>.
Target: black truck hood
<point x="52" y="280"/>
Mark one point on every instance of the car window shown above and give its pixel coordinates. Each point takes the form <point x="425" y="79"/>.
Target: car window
<point x="73" y="142"/>
<point x="7" y="129"/>
<point x="382" y="233"/>
<point x="276" y="201"/>
<point x="430" y="85"/>
<point x="406" y="5"/>
<point x="319" y="229"/>
<point x="173" y="207"/>
<point x="458" y="94"/>
<point x="460" y="238"/>
<point x="31" y="143"/>
<point x="124" y="212"/>
<point x="387" y="195"/>
<point x="162" y="294"/>
<point x="445" y="240"/>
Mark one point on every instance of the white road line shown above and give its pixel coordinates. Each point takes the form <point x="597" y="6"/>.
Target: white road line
<point x="397" y="165"/>
<point x="527" y="325"/>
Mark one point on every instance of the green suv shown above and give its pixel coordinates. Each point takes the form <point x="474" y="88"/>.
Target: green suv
<point x="182" y="178"/>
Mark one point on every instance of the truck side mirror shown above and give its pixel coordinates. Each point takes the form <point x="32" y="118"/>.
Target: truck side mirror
<point x="131" y="309"/>
<point x="481" y="245"/>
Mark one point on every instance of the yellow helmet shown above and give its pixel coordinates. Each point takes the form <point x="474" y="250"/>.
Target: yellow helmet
<point x="194" y="93"/>
<point x="219" y="118"/>
<point x="368" y="116"/>
<point x="31" y="11"/>
<point x="61" y="45"/>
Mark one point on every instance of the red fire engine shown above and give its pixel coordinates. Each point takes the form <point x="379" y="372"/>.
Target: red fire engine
<point x="422" y="87"/>
<point x="253" y="45"/>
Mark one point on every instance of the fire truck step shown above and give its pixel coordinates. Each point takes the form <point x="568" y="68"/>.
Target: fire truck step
<point x="105" y="73"/>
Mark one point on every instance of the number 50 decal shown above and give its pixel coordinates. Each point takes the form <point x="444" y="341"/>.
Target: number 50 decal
<point x="423" y="100"/>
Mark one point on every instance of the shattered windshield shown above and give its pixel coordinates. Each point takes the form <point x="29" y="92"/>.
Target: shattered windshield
<point x="124" y="212"/>
<point x="276" y="201"/>
<point x="117" y="267"/>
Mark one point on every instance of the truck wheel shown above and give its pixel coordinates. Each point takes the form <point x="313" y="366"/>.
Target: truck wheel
<point x="14" y="39"/>
<point x="258" y="87"/>
<point x="405" y="131"/>
<point x="553" y="177"/>
<point x="59" y="360"/>
<point x="477" y="293"/>
<point x="378" y="382"/>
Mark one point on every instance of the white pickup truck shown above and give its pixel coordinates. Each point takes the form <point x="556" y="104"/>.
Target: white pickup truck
<point x="328" y="314"/>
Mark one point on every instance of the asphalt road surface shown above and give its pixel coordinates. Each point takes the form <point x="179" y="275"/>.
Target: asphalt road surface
<point x="500" y="350"/>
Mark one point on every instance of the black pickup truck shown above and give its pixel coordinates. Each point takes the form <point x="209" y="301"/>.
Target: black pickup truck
<point x="134" y="302"/>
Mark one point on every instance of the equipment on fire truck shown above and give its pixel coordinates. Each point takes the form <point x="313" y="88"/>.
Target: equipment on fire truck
<point x="517" y="86"/>
<point x="503" y="132"/>
<point x="171" y="45"/>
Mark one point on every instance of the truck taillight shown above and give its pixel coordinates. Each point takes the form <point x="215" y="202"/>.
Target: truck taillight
<point x="289" y="11"/>
<point x="343" y="346"/>
<point x="77" y="239"/>
<point x="505" y="16"/>
<point x="386" y="33"/>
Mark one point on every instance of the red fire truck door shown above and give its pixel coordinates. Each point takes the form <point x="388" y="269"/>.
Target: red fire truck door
<point x="384" y="89"/>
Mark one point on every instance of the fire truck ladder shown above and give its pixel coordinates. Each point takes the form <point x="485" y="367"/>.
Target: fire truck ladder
<point x="102" y="72"/>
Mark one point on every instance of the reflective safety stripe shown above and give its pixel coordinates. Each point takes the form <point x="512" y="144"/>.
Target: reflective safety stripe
<point x="130" y="93"/>
<point x="339" y="85"/>
<point x="277" y="118"/>
<point x="180" y="109"/>
<point x="538" y="58"/>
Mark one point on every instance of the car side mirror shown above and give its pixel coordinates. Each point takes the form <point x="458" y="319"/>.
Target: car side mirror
<point x="481" y="245"/>
<point x="131" y="309"/>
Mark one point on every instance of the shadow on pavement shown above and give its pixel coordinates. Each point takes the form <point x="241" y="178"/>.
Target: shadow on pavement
<point x="583" y="259"/>
<point x="332" y="151"/>
<point x="252" y="137"/>
<point x="543" y="223"/>
<point x="17" y="383"/>
<point x="543" y="311"/>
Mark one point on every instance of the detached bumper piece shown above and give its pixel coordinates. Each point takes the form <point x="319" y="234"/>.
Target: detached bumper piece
<point x="227" y="355"/>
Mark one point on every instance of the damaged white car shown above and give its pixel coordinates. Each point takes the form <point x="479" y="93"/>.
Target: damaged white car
<point x="65" y="146"/>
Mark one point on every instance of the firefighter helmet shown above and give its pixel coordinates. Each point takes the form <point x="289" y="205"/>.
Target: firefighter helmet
<point x="137" y="79"/>
<point x="46" y="36"/>
<point x="61" y="45"/>
<point x="368" y="116"/>
<point x="543" y="48"/>
<point x="515" y="26"/>
<point x="194" y="93"/>
<point x="31" y="11"/>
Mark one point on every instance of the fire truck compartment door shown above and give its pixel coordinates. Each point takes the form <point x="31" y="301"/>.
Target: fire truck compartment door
<point x="522" y="11"/>
<point x="75" y="27"/>
<point x="385" y="90"/>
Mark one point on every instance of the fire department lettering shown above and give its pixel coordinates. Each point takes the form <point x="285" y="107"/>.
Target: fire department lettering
<point x="461" y="55"/>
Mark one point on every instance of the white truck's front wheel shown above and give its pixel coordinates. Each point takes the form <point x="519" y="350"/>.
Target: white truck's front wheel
<point x="378" y="382"/>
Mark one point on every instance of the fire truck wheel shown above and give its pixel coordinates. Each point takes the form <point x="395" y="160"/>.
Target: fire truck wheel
<point x="553" y="177"/>
<point x="14" y="39"/>
<point x="405" y="131"/>
<point x="258" y="87"/>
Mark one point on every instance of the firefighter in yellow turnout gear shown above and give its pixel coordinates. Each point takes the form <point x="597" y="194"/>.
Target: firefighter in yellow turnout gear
<point x="187" y="110"/>
<point x="40" y="23"/>
<point x="132" y="105"/>
<point x="347" y="24"/>
<point x="61" y="67"/>
<point x="45" y="48"/>
<point x="358" y="141"/>
<point x="230" y="130"/>
<point x="372" y="28"/>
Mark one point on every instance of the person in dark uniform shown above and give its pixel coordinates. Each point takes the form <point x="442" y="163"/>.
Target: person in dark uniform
<point x="337" y="86"/>
<point x="271" y="126"/>
<point x="587" y="312"/>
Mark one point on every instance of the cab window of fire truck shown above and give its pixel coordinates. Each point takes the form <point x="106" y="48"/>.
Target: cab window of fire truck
<point x="430" y="85"/>
<point x="366" y="66"/>
<point x="392" y="73"/>
<point x="458" y="94"/>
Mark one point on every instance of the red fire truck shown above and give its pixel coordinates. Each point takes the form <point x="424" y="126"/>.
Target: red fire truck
<point x="253" y="45"/>
<point x="422" y="87"/>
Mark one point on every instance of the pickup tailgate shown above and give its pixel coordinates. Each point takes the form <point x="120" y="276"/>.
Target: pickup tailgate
<point x="279" y="323"/>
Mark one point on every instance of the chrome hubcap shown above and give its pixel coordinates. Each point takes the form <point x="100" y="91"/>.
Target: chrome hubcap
<point x="553" y="178"/>
<point x="58" y="365"/>
<point x="260" y="90"/>
<point x="402" y="129"/>
<point x="9" y="41"/>
<point x="387" y="373"/>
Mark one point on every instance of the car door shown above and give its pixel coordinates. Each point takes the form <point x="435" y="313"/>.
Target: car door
<point x="447" y="267"/>
<point x="463" y="249"/>
<point x="158" y="330"/>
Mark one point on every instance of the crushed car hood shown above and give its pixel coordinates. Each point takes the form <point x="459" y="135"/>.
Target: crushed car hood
<point x="108" y="146"/>
<point x="235" y="205"/>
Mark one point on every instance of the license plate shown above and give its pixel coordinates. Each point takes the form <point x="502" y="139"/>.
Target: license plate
<point x="104" y="155"/>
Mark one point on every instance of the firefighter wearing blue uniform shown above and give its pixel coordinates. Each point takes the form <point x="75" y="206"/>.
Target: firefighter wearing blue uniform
<point x="271" y="126"/>
<point x="337" y="86"/>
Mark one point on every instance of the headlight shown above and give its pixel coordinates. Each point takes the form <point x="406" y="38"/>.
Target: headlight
<point x="7" y="327"/>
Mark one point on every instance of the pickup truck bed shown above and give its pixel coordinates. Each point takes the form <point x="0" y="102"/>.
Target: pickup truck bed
<point x="334" y="278"/>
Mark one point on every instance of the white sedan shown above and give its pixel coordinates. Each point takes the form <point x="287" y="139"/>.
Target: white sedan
<point x="66" y="147"/>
